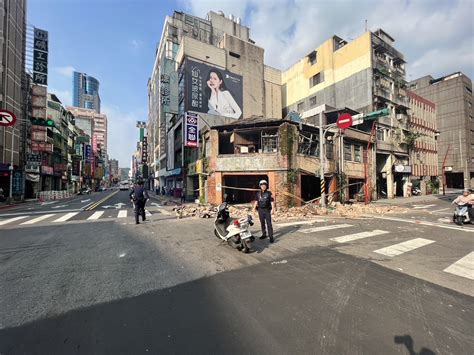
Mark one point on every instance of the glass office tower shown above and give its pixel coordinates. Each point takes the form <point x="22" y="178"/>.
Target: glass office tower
<point x="86" y="92"/>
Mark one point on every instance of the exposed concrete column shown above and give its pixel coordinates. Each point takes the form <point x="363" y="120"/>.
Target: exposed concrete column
<point x="390" y="180"/>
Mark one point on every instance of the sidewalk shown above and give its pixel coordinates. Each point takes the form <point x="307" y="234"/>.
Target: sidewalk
<point x="415" y="199"/>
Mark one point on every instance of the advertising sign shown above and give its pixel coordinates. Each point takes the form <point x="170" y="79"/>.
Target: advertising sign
<point x="17" y="182"/>
<point x="88" y="153"/>
<point x="191" y="130"/>
<point x="41" y="147"/>
<point x="76" y="167"/>
<point x="94" y="143"/>
<point x="40" y="57"/>
<point x="145" y="149"/>
<point x="212" y="90"/>
<point x="33" y="159"/>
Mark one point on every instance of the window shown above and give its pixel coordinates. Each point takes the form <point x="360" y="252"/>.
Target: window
<point x="233" y="54"/>
<point x="312" y="101"/>
<point x="358" y="153"/>
<point x="468" y="89"/>
<point x="312" y="57"/>
<point x="380" y="135"/>
<point x="300" y="107"/>
<point x="269" y="143"/>
<point x="329" y="150"/>
<point x="347" y="152"/>
<point x="316" y="79"/>
<point x="472" y="146"/>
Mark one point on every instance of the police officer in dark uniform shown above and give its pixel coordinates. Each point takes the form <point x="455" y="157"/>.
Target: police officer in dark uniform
<point x="139" y="196"/>
<point x="265" y="204"/>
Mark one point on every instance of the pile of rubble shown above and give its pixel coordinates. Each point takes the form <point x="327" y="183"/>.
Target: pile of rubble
<point x="355" y="210"/>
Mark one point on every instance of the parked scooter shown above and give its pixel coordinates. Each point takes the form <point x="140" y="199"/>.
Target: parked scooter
<point x="416" y="191"/>
<point x="461" y="214"/>
<point x="234" y="231"/>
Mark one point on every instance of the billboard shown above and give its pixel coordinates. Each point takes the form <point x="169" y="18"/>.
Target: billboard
<point x="40" y="57"/>
<point x="212" y="90"/>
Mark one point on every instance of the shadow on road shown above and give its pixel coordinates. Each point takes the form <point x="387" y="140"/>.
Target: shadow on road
<point x="409" y="344"/>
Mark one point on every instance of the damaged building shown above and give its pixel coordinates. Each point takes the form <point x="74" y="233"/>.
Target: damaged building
<point x="286" y="154"/>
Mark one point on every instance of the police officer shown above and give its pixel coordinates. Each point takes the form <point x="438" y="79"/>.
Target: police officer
<point x="139" y="196"/>
<point x="265" y="204"/>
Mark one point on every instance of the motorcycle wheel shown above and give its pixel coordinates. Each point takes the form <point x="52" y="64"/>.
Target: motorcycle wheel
<point x="459" y="220"/>
<point x="217" y="234"/>
<point x="245" y="247"/>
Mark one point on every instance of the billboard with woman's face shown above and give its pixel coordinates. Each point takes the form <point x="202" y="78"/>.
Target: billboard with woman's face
<point x="212" y="90"/>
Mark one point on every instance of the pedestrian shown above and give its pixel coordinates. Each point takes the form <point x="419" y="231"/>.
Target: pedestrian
<point x="265" y="205"/>
<point x="183" y="195"/>
<point x="139" y="196"/>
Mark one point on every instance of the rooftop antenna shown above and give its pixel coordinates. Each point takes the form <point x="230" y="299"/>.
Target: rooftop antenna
<point x="365" y="25"/>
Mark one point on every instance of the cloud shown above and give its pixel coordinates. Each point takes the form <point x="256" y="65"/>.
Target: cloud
<point x="122" y="134"/>
<point x="64" y="95"/>
<point x="436" y="37"/>
<point x="136" y="43"/>
<point x="65" y="71"/>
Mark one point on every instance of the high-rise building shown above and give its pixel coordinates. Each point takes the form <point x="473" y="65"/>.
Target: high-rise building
<point x="12" y="85"/>
<point x="93" y="124"/>
<point x="452" y="95"/>
<point x="114" y="169"/>
<point x="86" y="92"/>
<point x="192" y="51"/>
<point x="365" y="74"/>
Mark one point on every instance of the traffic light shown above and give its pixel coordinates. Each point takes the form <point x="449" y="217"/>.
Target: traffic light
<point x="42" y="122"/>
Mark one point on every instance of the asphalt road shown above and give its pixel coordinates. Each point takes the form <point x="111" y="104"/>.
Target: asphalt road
<point x="326" y="286"/>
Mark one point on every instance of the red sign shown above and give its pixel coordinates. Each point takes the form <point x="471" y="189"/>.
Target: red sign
<point x="344" y="121"/>
<point x="7" y="118"/>
<point x="41" y="147"/>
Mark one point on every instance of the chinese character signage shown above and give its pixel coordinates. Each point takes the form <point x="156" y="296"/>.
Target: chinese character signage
<point x="165" y="89"/>
<point x="191" y="130"/>
<point x="212" y="90"/>
<point x="88" y="153"/>
<point x="144" y="149"/>
<point x="40" y="57"/>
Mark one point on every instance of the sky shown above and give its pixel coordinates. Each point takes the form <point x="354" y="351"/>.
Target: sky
<point x="115" y="41"/>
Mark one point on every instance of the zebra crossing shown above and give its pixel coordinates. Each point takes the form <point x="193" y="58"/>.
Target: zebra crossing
<point x="464" y="267"/>
<point x="57" y="218"/>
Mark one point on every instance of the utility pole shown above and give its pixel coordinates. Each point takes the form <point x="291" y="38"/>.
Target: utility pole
<point x="321" y="161"/>
<point x="443" y="170"/>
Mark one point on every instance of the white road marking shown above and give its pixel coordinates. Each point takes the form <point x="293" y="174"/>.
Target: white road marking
<point x="5" y="221"/>
<point x="424" y="223"/>
<point x="163" y="211"/>
<point x="122" y="214"/>
<point x="463" y="267"/>
<point x="325" y="228"/>
<point x="96" y="215"/>
<point x="296" y="223"/>
<point x="61" y="206"/>
<point x="356" y="236"/>
<point x="38" y="219"/>
<point x="419" y="207"/>
<point x="400" y="248"/>
<point x="147" y="213"/>
<point x="443" y="209"/>
<point x="83" y="201"/>
<point x="65" y="217"/>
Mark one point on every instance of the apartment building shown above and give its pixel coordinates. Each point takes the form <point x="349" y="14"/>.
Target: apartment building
<point x="365" y="75"/>
<point x="452" y="95"/>
<point x="423" y="143"/>
<point x="191" y="51"/>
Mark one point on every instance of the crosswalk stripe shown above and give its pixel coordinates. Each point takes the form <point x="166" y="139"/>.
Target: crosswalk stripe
<point x="163" y="211"/>
<point x="147" y="213"/>
<point x="5" y="221"/>
<point x="96" y="215"/>
<point x="356" y="236"/>
<point x="296" y="223"/>
<point x="325" y="228"/>
<point x="38" y="219"/>
<point x="463" y="267"/>
<point x="122" y="214"/>
<point x="65" y="217"/>
<point x="419" y="207"/>
<point x="404" y="247"/>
